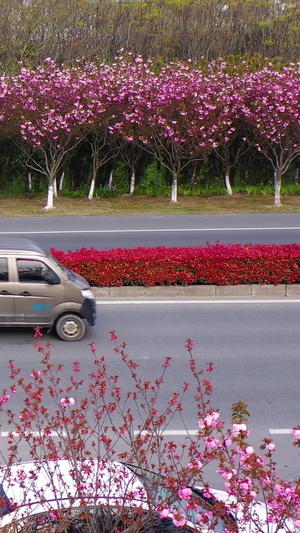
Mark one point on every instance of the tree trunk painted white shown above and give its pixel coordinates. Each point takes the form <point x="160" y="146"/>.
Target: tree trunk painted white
<point x="227" y="183"/>
<point x="277" y="187"/>
<point x="194" y="175"/>
<point x="29" y="182"/>
<point x="61" y="181"/>
<point x="92" y="188"/>
<point x="94" y="176"/>
<point x="132" y="181"/>
<point x="174" y="189"/>
<point x="110" y="181"/>
<point x="55" y="188"/>
<point x="297" y="172"/>
<point x="49" y="197"/>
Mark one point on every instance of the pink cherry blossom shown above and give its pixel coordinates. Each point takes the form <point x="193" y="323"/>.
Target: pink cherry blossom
<point x="237" y="429"/>
<point x="179" y="520"/>
<point x="210" y="420"/>
<point x="296" y="433"/>
<point x="249" y="450"/>
<point x="4" y="399"/>
<point x="185" y="493"/>
<point x="270" y="446"/>
<point x="164" y="513"/>
<point x="195" y="465"/>
<point x="65" y="402"/>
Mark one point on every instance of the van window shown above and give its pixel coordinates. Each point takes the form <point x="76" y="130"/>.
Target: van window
<point x="3" y="269"/>
<point x="32" y="271"/>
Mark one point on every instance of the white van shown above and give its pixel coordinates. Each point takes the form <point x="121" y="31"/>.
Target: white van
<point x="35" y="290"/>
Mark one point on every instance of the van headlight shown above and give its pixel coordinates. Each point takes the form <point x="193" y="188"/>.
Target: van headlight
<point x="87" y="293"/>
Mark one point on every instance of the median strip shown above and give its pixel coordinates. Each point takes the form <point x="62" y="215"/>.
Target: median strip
<point x="199" y="291"/>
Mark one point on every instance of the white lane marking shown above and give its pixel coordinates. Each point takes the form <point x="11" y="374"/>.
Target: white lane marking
<point x="166" y="432"/>
<point x="186" y="432"/>
<point x="154" y="230"/>
<point x="33" y="433"/>
<point x="280" y="431"/>
<point x="170" y="432"/>
<point x="179" y="301"/>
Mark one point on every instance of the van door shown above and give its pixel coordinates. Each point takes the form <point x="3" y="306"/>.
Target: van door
<point x="34" y="298"/>
<point x="6" y="294"/>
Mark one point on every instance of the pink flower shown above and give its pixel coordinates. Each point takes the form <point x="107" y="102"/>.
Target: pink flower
<point x="270" y="446"/>
<point x="227" y="475"/>
<point x="65" y="402"/>
<point x="195" y="464"/>
<point x="209" y="420"/>
<point x="4" y="399"/>
<point x="239" y="428"/>
<point x="212" y="443"/>
<point x="244" y="486"/>
<point x="249" y="450"/>
<point x="253" y="494"/>
<point x="185" y="493"/>
<point x="35" y="374"/>
<point x="179" y="520"/>
<point x="296" y="433"/>
<point x="164" y="513"/>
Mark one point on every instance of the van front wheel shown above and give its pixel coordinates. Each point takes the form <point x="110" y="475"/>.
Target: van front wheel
<point x="70" y="327"/>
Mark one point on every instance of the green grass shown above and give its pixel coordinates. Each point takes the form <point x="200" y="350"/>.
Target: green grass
<point x="139" y="205"/>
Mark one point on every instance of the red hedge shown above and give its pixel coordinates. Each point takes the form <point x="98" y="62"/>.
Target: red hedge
<point x="220" y="264"/>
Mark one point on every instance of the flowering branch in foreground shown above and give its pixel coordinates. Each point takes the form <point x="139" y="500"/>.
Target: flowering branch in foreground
<point x="80" y="434"/>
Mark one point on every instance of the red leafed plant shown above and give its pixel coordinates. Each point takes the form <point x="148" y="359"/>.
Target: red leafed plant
<point x="219" y="264"/>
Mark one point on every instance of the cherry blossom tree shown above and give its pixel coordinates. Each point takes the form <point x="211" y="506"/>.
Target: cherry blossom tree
<point x="272" y="109"/>
<point x="180" y="115"/>
<point x="230" y="146"/>
<point x="49" y="107"/>
<point x="102" y="110"/>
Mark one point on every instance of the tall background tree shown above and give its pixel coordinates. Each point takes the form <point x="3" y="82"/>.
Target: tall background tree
<point x="165" y="30"/>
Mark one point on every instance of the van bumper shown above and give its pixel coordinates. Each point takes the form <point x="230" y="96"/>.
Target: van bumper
<point x="89" y="310"/>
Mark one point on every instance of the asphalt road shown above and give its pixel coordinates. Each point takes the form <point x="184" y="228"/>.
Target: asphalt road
<point x="254" y="346"/>
<point x="70" y="233"/>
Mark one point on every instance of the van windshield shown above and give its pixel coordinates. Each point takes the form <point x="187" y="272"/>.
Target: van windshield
<point x="69" y="273"/>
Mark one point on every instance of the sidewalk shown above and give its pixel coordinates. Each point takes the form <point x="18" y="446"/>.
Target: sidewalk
<point x="200" y="291"/>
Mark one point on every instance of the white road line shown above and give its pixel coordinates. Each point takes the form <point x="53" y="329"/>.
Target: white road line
<point x="280" y="431"/>
<point x="186" y="432"/>
<point x="33" y="433"/>
<point x="170" y="432"/>
<point x="180" y="301"/>
<point x="154" y="230"/>
<point x="166" y="432"/>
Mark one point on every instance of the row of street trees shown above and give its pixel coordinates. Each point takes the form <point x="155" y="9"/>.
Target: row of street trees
<point x="178" y="114"/>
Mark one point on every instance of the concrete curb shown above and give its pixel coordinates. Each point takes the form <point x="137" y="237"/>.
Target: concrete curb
<point x="199" y="291"/>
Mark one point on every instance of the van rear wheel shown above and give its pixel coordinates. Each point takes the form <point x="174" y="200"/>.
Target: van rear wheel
<point x="70" y="327"/>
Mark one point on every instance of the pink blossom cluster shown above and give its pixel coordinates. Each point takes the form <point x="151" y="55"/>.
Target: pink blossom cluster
<point x="95" y="411"/>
